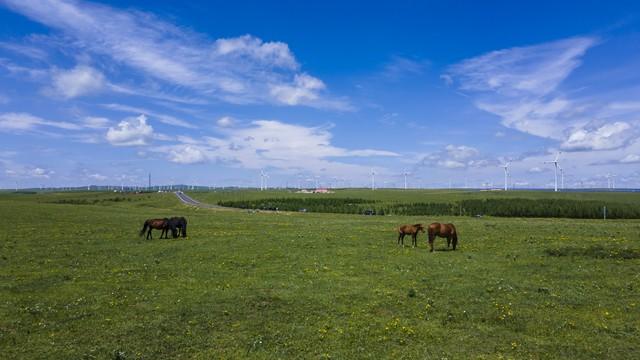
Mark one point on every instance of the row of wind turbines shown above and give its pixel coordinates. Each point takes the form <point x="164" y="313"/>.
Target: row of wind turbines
<point x="611" y="183"/>
<point x="556" y="168"/>
<point x="373" y="179"/>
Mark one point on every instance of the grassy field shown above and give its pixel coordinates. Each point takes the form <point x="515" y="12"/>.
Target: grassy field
<point x="76" y="281"/>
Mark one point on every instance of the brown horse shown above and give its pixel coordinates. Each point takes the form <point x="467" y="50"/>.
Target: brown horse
<point x="158" y="224"/>
<point x="443" y="230"/>
<point x="409" y="230"/>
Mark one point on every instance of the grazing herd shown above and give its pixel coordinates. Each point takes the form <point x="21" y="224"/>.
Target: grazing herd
<point x="447" y="231"/>
<point x="177" y="226"/>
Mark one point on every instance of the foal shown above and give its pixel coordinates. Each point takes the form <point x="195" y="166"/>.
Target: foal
<point x="409" y="230"/>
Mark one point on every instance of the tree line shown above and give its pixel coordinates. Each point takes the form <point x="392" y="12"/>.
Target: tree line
<point x="515" y="207"/>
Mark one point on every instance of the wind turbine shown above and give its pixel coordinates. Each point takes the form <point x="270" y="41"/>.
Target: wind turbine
<point x="373" y="179"/>
<point x="405" y="179"/>
<point x="555" y="170"/>
<point x="264" y="176"/>
<point x="506" y="175"/>
<point x="611" y="181"/>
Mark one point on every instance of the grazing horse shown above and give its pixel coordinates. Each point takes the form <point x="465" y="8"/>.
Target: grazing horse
<point x="158" y="224"/>
<point x="443" y="230"/>
<point x="409" y="230"/>
<point x="178" y="225"/>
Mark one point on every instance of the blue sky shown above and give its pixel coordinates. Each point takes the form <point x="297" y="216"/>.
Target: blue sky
<point x="211" y="94"/>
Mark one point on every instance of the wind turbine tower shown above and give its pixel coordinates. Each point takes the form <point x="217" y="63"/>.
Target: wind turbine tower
<point x="555" y="170"/>
<point x="561" y="178"/>
<point x="373" y="179"/>
<point x="261" y="180"/>
<point x="405" y="179"/>
<point x="506" y="176"/>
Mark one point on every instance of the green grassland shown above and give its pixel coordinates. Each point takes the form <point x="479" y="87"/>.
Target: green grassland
<point x="77" y="282"/>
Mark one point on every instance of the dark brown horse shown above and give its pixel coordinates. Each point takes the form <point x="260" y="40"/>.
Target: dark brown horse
<point x="178" y="226"/>
<point x="409" y="230"/>
<point x="443" y="230"/>
<point x="158" y="224"/>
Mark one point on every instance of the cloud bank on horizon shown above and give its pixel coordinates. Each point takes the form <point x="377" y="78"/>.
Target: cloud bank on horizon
<point x="117" y="93"/>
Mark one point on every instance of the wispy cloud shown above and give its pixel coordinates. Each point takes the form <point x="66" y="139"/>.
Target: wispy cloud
<point x="529" y="70"/>
<point x="399" y="67"/>
<point x="272" y="144"/>
<point x="21" y="122"/>
<point x="525" y="87"/>
<point x="456" y="157"/>
<point x="243" y="69"/>
<point x="79" y="81"/>
<point x="164" y="118"/>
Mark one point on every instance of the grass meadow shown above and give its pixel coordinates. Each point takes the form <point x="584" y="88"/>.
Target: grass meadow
<point x="77" y="282"/>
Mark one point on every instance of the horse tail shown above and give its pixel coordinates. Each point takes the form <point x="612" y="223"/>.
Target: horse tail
<point x="144" y="227"/>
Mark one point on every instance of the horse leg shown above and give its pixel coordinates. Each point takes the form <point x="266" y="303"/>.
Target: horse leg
<point x="431" y="238"/>
<point x="149" y="234"/>
<point x="399" y="236"/>
<point x="448" y="241"/>
<point x="414" y="240"/>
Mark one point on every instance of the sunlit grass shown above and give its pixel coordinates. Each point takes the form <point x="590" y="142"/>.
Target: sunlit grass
<point x="78" y="282"/>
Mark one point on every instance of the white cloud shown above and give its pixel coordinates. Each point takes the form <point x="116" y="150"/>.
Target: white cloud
<point x="18" y="122"/>
<point x="79" y="81"/>
<point x="400" y="67"/>
<point x="519" y="85"/>
<point x="536" y="69"/>
<point x="523" y="86"/>
<point x="40" y="173"/>
<point x="27" y="172"/>
<point x="97" y="177"/>
<point x="275" y="54"/>
<point x="608" y="136"/>
<point x="272" y="144"/>
<point x="225" y="121"/>
<point x="630" y="159"/>
<point x="461" y="152"/>
<point x="304" y="89"/>
<point x="451" y="164"/>
<point x="163" y="118"/>
<point x="25" y="50"/>
<point x="94" y="122"/>
<point x="187" y="154"/>
<point x="456" y="157"/>
<point x="535" y="170"/>
<point x="130" y="132"/>
<point x="242" y="69"/>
